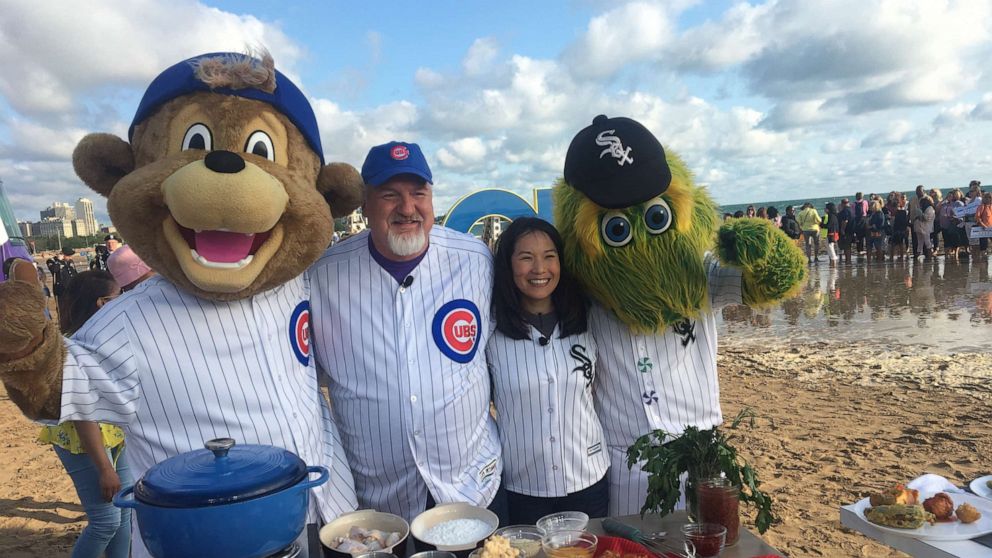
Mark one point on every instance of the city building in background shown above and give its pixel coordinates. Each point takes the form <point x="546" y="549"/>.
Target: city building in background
<point x="25" y="228"/>
<point x="59" y="210"/>
<point x="84" y="213"/>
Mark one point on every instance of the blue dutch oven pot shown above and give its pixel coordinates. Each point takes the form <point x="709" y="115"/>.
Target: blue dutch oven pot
<point x="224" y="501"/>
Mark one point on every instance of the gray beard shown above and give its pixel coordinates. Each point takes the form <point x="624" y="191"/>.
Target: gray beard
<point x="404" y="245"/>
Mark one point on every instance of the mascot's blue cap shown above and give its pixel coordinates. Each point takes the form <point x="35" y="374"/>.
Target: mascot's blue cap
<point x="180" y="79"/>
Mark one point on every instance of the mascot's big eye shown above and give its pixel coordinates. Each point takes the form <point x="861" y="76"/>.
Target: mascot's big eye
<point x="198" y="137"/>
<point x="658" y="216"/>
<point x="259" y="143"/>
<point x="616" y="229"/>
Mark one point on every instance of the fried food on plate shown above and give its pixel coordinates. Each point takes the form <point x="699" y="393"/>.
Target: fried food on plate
<point x="898" y="494"/>
<point x="940" y="505"/>
<point x="899" y="516"/>
<point x="968" y="514"/>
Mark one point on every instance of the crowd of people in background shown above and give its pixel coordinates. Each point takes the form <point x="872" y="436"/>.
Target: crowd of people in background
<point x="895" y="227"/>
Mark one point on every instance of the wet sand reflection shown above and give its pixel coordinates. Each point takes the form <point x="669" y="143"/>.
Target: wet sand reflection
<point x="944" y="306"/>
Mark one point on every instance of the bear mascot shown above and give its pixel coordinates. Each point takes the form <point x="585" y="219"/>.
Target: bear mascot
<point x="222" y="189"/>
<point x="642" y="239"/>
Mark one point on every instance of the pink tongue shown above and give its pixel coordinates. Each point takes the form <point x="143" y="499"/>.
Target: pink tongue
<point x="222" y="246"/>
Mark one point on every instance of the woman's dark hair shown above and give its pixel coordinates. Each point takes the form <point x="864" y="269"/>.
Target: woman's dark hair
<point x="79" y="302"/>
<point x="831" y="208"/>
<point x="569" y="301"/>
<point x="772" y="212"/>
<point x="738" y="214"/>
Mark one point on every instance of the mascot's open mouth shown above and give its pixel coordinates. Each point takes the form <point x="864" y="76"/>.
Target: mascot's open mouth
<point x="223" y="249"/>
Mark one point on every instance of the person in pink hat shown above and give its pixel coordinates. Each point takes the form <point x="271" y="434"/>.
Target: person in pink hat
<point x="127" y="268"/>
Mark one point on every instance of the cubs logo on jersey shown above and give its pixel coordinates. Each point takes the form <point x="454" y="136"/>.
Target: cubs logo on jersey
<point x="299" y="332"/>
<point x="456" y="330"/>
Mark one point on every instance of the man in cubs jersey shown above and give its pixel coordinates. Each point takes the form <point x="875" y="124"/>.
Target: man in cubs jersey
<point x="400" y="312"/>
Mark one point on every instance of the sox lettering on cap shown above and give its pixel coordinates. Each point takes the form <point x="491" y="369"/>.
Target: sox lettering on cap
<point x="617" y="163"/>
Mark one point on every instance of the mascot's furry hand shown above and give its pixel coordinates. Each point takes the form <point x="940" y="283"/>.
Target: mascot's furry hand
<point x="774" y="267"/>
<point x="29" y="342"/>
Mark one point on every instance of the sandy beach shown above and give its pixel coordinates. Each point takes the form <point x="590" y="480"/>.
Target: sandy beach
<point x="839" y="417"/>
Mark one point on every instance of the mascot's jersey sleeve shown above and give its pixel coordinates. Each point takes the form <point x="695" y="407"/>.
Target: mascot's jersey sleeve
<point x="99" y="380"/>
<point x="666" y="380"/>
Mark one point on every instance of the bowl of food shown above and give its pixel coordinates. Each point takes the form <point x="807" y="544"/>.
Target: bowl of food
<point x="458" y="528"/>
<point x="563" y="521"/>
<point x="524" y="538"/>
<point x="363" y="531"/>
<point x="569" y="544"/>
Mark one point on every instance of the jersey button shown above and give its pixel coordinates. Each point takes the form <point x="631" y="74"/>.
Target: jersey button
<point x="550" y="411"/>
<point x="554" y="467"/>
<point x="552" y="439"/>
<point x="413" y="399"/>
<point x="416" y="433"/>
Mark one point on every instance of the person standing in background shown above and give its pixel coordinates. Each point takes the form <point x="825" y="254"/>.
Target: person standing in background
<point x="809" y="222"/>
<point x="860" y="209"/>
<point x="790" y="226"/>
<point x="876" y="231"/>
<point x="833" y="231"/>
<point x="914" y="214"/>
<point x="127" y="268"/>
<point x="923" y="227"/>
<point x="845" y="222"/>
<point x="774" y="217"/>
<point x="543" y="356"/>
<point x="899" y="237"/>
<point x="983" y="218"/>
<point x="93" y="454"/>
<point x="936" y="198"/>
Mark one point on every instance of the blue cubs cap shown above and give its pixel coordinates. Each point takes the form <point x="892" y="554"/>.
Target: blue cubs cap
<point x="180" y="79"/>
<point x="396" y="157"/>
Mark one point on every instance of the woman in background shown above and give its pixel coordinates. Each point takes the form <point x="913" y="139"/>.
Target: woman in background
<point x="923" y="227"/>
<point x="876" y="231"/>
<point x="542" y="359"/>
<point x="93" y="454"/>
<point x="833" y="231"/>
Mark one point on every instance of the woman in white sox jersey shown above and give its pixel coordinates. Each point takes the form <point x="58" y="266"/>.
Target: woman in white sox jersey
<point x="542" y="360"/>
<point x="400" y="315"/>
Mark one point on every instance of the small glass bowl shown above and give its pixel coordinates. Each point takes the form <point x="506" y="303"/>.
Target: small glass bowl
<point x="707" y="538"/>
<point x="563" y="521"/>
<point x="525" y="538"/>
<point x="569" y="544"/>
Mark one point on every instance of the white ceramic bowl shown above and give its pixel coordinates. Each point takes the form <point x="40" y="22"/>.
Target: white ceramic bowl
<point x="369" y="519"/>
<point x="563" y="521"/>
<point x="446" y="512"/>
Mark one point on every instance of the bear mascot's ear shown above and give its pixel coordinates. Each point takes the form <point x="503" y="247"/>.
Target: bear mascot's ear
<point x="341" y="186"/>
<point x="101" y="160"/>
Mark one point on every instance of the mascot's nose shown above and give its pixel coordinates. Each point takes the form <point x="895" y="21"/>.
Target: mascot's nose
<point x="224" y="161"/>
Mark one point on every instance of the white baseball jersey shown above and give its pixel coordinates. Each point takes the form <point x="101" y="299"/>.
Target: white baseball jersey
<point x="551" y="437"/>
<point x="664" y="381"/>
<point x="176" y="370"/>
<point x="409" y="386"/>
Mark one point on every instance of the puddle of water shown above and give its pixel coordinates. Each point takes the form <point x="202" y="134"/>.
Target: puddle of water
<point x="945" y="306"/>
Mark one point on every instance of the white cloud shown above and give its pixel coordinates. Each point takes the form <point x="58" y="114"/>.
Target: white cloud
<point x="894" y="134"/>
<point x="632" y="32"/>
<point x="480" y="56"/>
<point x="462" y="153"/>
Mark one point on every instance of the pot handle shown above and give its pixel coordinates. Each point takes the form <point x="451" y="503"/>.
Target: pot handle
<point x="120" y="502"/>
<point x="324" y="473"/>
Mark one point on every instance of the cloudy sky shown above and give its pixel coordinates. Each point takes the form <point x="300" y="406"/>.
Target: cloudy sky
<point x="765" y="101"/>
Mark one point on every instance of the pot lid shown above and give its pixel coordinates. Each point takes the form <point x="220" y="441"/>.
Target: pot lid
<point x="220" y="474"/>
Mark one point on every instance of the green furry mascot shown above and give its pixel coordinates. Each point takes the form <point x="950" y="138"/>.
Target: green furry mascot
<point x="643" y="240"/>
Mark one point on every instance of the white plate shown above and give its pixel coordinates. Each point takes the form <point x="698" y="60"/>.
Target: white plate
<point x="951" y="531"/>
<point x="979" y="486"/>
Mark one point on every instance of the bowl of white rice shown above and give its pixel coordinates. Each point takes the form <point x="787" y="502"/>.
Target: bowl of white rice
<point x="458" y="528"/>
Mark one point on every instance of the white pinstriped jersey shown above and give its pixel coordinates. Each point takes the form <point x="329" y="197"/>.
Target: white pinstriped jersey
<point x="176" y="370"/>
<point x="666" y="380"/>
<point x="408" y="381"/>
<point x="551" y="437"/>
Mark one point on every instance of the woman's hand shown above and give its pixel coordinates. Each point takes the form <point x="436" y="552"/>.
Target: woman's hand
<point x="110" y="483"/>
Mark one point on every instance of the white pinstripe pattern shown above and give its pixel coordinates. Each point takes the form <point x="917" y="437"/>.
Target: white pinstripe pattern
<point x="176" y="370"/>
<point x="551" y="437"/>
<point x="648" y="382"/>
<point x="411" y="418"/>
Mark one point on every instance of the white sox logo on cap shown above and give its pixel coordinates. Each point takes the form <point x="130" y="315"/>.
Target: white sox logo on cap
<point x="399" y="152"/>
<point x="614" y="147"/>
<point x="456" y="330"/>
